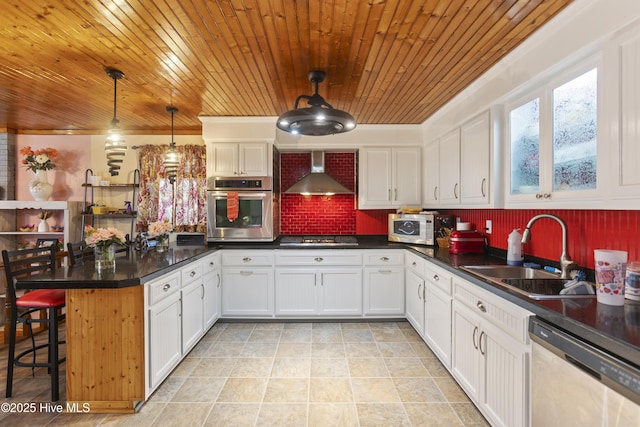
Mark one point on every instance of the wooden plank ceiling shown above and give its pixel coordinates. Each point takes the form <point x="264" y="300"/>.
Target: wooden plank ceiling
<point x="386" y="61"/>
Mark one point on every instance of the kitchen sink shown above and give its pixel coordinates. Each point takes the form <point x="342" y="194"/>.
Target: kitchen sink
<point x="533" y="283"/>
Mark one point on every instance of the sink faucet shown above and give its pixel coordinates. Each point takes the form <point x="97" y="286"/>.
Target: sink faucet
<point x="566" y="263"/>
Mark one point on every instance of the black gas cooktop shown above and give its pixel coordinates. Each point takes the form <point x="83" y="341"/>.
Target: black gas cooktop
<point x="322" y="240"/>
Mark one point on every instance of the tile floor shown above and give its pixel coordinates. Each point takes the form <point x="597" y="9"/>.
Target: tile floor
<point x="285" y="374"/>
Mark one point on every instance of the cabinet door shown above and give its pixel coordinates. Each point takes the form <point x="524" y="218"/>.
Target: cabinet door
<point x="450" y="168"/>
<point x="296" y="290"/>
<point x="340" y="291"/>
<point x="375" y="178"/>
<point x="165" y="338"/>
<point x="437" y="322"/>
<point x="406" y="167"/>
<point x="432" y="174"/>
<point x="212" y="293"/>
<point x="192" y="314"/>
<point x="253" y="159"/>
<point x="465" y="363"/>
<point x="224" y="160"/>
<point x="475" y="141"/>
<point x="247" y="292"/>
<point x="384" y="291"/>
<point x="414" y="300"/>
<point x="505" y="366"/>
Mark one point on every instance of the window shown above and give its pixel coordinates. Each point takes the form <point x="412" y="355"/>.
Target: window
<point x="553" y="137"/>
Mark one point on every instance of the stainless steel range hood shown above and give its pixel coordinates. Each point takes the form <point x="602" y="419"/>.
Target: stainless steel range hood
<point x="317" y="182"/>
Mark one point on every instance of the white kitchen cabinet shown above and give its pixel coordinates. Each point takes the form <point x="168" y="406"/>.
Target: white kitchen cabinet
<point x="449" y="155"/>
<point x="383" y="283"/>
<point x="437" y="312"/>
<point x="431" y="187"/>
<point x="389" y="177"/>
<point x="414" y="291"/>
<point x="164" y="339"/>
<point x="238" y="159"/>
<point x="488" y="360"/>
<point x="247" y="283"/>
<point x="322" y="283"/>
<point x="621" y="113"/>
<point x="475" y="165"/>
<point x="192" y="296"/>
<point x="212" y="282"/>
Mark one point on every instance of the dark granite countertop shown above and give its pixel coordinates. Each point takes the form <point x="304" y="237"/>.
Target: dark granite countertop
<point x="131" y="270"/>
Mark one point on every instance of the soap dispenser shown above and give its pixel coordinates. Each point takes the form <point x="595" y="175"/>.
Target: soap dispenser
<point x="514" y="251"/>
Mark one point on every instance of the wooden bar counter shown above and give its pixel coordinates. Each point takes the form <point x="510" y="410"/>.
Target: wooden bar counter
<point x="105" y="323"/>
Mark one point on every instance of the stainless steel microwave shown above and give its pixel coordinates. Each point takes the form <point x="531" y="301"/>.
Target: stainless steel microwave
<point x="420" y="229"/>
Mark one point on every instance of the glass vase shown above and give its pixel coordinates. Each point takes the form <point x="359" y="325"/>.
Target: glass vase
<point x="105" y="257"/>
<point x="163" y="243"/>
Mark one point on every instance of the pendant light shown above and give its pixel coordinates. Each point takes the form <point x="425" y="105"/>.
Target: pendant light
<point x="171" y="159"/>
<point x="115" y="146"/>
<point x="319" y="119"/>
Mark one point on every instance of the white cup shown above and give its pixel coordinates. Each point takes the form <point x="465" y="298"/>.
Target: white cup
<point x="610" y="276"/>
<point x="94" y="180"/>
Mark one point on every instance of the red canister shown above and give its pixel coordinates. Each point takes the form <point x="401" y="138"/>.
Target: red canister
<point x="466" y="242"/>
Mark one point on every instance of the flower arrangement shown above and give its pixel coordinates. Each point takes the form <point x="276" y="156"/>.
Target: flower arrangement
<point x="160" y="228"/>
<point x="44" y="215"/>
<point x="103" y="237"/>
<point x="39" y="159"/>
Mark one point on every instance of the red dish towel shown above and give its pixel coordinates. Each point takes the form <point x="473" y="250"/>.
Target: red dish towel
<point x="232" y="206"/>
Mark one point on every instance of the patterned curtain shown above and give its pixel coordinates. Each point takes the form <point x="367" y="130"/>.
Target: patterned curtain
<point x="156" y="199"/>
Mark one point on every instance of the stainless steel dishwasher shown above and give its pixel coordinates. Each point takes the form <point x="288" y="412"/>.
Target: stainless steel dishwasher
<point x="574" y="383"/>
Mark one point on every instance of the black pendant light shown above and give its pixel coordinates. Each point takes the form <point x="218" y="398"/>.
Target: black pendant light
<point x="171" y="160"/>
<point x="115" y="146"/>
<point x="317" y="120"/>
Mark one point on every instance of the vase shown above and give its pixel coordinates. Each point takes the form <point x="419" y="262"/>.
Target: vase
<point x="39" y="186"/>
<point x="105" y="257"/>
<point x="43" y="227"/>
<point x="163" y="243"/>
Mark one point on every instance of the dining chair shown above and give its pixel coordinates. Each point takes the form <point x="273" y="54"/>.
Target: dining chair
<point x="23" y="305"/>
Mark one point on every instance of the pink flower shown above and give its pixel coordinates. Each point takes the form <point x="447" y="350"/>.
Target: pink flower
<point x="103" y="236"/>
<point x="159" y="228"/>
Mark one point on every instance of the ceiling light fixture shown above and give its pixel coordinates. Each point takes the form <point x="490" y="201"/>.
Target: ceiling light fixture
<point x="115" y="145"/>
<point x="171" y="159"/>
<point x="319" y="119"/>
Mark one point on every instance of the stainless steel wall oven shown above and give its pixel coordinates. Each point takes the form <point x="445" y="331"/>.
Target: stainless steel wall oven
<point x="241" y="209"/>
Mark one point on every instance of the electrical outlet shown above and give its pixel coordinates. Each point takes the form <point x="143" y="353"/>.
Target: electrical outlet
<point x="487" y="226"/>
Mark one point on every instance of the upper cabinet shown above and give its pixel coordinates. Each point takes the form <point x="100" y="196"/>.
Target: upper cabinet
<point x="389" y="177"/>
<point x="621" y="99"/>
<point x="238" y="159"/>
<point x="458" y="166"/>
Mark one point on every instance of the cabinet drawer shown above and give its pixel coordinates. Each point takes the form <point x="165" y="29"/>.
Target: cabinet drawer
<point x="510" y="318"/>
<point x="384" y="257"/>
<point x="164" y="286"/>
<point x="328" y="257"/>
<point x="191" y="272"/>
<point x="243" y="258"/>
<point x="439" y="277"/>
<point x="414" y="263"/>
<point x="210" y="263"/>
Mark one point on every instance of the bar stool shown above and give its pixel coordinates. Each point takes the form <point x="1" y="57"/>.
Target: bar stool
<point x="21" y="263"/>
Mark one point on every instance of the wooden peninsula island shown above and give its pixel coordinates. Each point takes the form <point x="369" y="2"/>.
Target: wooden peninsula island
<point x="126" y="329"/>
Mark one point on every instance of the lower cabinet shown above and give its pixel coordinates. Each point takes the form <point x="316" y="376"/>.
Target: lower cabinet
<point x="313" y="291"/>
<point x="415" y="291"/>
<point x="383" y="283"/>
<point x="437" y="312"/>
<point x="247" y="283"/>
<point x="212" y="282"/>
<point x="489" y="363"/>
<point x="164" y="340"/>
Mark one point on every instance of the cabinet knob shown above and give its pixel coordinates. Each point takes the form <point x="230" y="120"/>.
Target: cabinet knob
<point x="319" y="259"/>
<point x="538" y="196"/>
<point x="193" y="273"/>
<point x="481" y="306"/>
<point x="246" y="259"/>
<point x="384" y="258"/>
<point x="436" y="277"/>
<point x="211" y="264"/>
<point x="166" y="287"/>
<point x="546" y="195"/>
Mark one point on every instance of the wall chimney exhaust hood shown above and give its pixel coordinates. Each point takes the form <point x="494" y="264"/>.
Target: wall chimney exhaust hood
<point x="317" y="182"/>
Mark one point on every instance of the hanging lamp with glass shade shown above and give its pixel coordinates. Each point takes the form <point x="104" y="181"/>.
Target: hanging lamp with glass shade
<point x="317" y="120"/>
<point x="115" y="146"/>
<point x="171" y="160"/>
